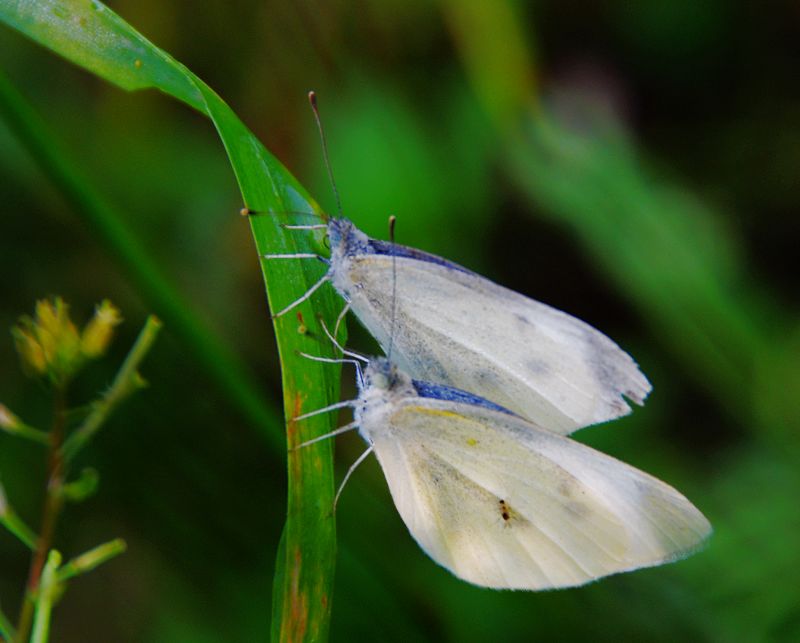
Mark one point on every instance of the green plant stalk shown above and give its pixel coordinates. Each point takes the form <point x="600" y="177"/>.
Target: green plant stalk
<point x="37" y="598"/>
<point x="227" y="369"/>
<point x="91" y="559"/>
<point x="6" y="629"/>
<point x="53" y="503"/>
<point x="44" y="600"/>
<point x="126" y="382"/>
<point x="29" y="433"/>
<point x="91" y="35"/>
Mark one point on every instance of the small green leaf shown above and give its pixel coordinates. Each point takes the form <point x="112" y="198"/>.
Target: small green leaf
<point x="82" y="488"/>
<point x="10" y="423"/>
<point x="11" y="521"/>
<point x="91" y="559"/>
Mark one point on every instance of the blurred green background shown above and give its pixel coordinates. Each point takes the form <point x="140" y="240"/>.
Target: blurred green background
<point x="635" y="164"/>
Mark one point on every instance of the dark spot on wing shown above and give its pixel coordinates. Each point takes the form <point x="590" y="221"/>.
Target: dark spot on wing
<point x="577" y="509"/>
<point x="566" y="487"/>
<point x="538" y="367"/>
<point x="523" y="320"/>
<point x="487" y="377"/>
<point x="505" y="510"/>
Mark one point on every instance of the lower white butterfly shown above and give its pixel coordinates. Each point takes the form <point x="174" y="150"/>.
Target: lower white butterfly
<point x="503" y="503"/>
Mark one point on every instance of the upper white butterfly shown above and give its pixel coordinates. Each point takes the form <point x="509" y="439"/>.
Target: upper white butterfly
<point x="454" y="327"/>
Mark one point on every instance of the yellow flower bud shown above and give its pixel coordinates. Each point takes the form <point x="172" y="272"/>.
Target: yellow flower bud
<point x="98" y="332"/>
<point x="49" y="344"/>
<point x="7" y="419"/>
<point x="57" y="335"/>
<point x="30" y="351"/>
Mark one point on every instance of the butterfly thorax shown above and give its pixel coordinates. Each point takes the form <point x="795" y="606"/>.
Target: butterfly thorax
<point x="383" y="389"/>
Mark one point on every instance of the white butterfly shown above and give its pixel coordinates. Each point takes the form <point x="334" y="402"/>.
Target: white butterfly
<point x="503" y="503"/>
<point x="452" y="326"/>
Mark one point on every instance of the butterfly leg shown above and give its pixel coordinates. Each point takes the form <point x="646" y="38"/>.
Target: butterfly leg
<point x="352" y="468"/>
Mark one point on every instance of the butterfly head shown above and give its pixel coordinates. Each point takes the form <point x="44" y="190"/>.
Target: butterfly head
<point x="346" y="240"/>
<point x="383" y="378"/>
<point x="380" y="374"/>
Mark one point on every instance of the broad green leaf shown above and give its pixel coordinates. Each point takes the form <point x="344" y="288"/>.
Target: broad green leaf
<point x="89" y="34"/>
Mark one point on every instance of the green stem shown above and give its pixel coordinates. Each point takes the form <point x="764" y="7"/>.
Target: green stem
<point x="44" y="601"/>
<point x="125" y="382"/>
<point x="54" y="500"/>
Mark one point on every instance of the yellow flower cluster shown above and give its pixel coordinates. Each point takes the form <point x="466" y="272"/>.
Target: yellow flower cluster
<point x="50" y="344"/>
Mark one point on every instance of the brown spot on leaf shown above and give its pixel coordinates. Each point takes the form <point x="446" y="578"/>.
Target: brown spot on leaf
<point x="295" y="623"/>
<point x="302" y="329"/>
<point x="293" y="437"/>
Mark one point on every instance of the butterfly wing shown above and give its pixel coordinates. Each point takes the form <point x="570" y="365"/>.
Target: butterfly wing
<point x="454" y="327"/>
<point x="504" y="504"/>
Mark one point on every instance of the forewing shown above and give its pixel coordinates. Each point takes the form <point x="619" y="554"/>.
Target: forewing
<point x="454" y="327"/>
<point x="503" y="504"/>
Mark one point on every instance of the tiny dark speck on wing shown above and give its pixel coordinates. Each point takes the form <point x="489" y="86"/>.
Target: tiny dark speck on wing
<point x="538" y="367"/>
<point x="505" y="512"/>
<point x="522" y="319"/>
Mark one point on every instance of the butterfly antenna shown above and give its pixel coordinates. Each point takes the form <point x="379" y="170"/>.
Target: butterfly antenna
<point x="392" y="220"/>
<point x="312" y="98"/>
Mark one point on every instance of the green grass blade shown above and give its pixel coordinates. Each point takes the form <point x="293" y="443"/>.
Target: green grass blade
<point x="92" y="36"/>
